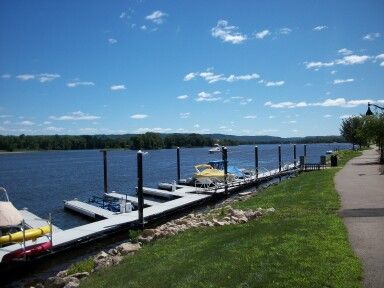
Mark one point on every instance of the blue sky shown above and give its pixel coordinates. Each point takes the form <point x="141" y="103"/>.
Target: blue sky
<point x="286" y="68"/>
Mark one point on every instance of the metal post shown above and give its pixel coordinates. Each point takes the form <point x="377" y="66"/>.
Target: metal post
<point x="105" y="171"/>
<point x="305" y="150"/>
<point x="225" y="161"/>
<point x="140" y="197"/>
<point x="279" y="158"/>
<point x="51" y="229"/>
<point x="23" y="224"/>
<point x="294" y="155"/>
<point x="257" y="161"/>
<point x="178" y="164"/>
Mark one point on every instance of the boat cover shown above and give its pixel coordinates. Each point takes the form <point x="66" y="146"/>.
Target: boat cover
<point x="9" y="215"/>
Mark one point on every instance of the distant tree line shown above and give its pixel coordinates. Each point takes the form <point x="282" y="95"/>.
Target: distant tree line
<point x="148" y="140"/>
<point x="365" y="130"/>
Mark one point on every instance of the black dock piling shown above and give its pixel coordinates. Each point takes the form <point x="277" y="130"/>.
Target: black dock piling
<point x="178" y="164"/>
<point x="294" y="155"/>
<point x="279" y="158"/>
<point x="257" y="162"/>
<point x="105" y="171"/>
<point x="140" y="196"/>
<point x="225" y="161"/>
<point x="305" y="150"/>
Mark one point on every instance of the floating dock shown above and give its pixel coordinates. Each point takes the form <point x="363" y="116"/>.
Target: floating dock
<point x="109" y="222"/>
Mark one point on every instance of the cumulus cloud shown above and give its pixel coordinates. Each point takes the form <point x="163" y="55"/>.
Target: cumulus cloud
<point x="250" y="117"/>
<point x="157" y="17"/>
<point x="371" y="36"/>
<point x="327" y="116"/>
<point x="207" y="97"/>
<point x="54" y="129"/>
<point x="345" y="116"/>
<point x="156" y="130"/>
<point x="286" y="104"/>
<point x="80" y="83"/>
<point x="25" y="77"/>
<point x="345" y="51"/>
<point x="318" y="64"/>
<point x="6" y="76"/>
<point x="184" y="115"/>
<point x="346" y="60"/>
<point x="227" y="33"/>
<point x="27" y="123"/>
<point x="320" y="28"/>
<point x="285" y="31"/>
<point x="118" y="87"/>
<point x="341" y="81"/>
<point x="112" y="41"/>
<point x="75" y="116"/>
<point x="139" y="116"/>
<point x="182" y="97"/>
<point x="42" y="78"/>
<point x="211" y="77"/>
<point x="336" y="102"/>
<point x="262" y="34"/>
<point x="274" y="83"/>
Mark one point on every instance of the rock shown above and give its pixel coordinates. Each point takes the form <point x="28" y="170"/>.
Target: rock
<point x="62" y="274"/>
<point x="218" y="223"/>
<point x="245" y="193"/>
<point x="148" y="232"/>
<point x="100" y="255"/>
<point x="103" y="263"/>
<point x="226" y="218"/>
<point x="117" y="259"/>
<point x="144" y="239"/>
<point x="270" y="210"/>
<point x="55" y="282"/>
<point x="237" y="213"/>
<point x="127" y="248"/>
<point x="252" y="214"/>
<point x="72" y="285"/>
<point x="113" y="252"/>
<point x="80" y="275"/>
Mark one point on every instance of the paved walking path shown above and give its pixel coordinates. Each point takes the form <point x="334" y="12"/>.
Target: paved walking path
<point x="361" y="188"/>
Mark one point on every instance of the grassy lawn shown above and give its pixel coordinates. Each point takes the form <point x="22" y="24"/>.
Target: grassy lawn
<point x="302" y="244"/>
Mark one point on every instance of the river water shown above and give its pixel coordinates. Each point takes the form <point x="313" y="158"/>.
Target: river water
<point x="41" y="181"/>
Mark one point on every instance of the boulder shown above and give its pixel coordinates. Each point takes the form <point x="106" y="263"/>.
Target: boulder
<point x="127" y="248"/>
<point x="100" y="255"/>
<point x="55" y="282"/>
<point x="245" y="193"/>
<point x="62" y="274"/>
<point x="148" y="232"/>
<point x="270" y="210"/>
<point x="116" y="259"/>
<point x="145" y="239"/>
<point x="71" y="282"/>
<point x="80" y="275"/>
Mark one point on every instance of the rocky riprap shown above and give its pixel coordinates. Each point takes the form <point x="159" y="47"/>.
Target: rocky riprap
<point x="222" y="215"/>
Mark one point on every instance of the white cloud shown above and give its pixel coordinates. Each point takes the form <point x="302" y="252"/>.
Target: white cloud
<point x="157" y="17"/>
<point x="6" y="76"/>
<point x="327" y="116"/>
<point x="75" y="116"/>
<point x="196" y="126"/>
<point x="274" y="83"/>
<point x="43" y="77"/>
<point x="382" y="64"/>
<point x="143" y="27"/>
<point x="285" y="31"/>
<point x="5" y="116"/>
<point x="182" y="97"/>
<point x="292" y="121"/>
<point x="190" y="76"/>
<point x="333" y="72"/>
<point x="139" y="116"/>
<point x="47" y="122"/>
<point x="341" y="102"/>
<point x="211" y="77"/>
<point x="317" y="65"/>
<point x="206" y="97"/>
<point x="25" y="77"/>
<point x="250" y="117"/>
<point x="122" y="15"/>
<point x="27" y="123"/>
<point x="345" y="116"/>
<point x="184" y="115"/>
<point x="286" y="104"/>
<point x="118" y="87"/>
<point x="371" y="36"/>
<point x="380" y="57"/>
<point x="6" y="122"/>
<point x="227" y="33"/>
<point x="262" y="34"/>
<point x="353" y="59"/>
<point x="340" y="81"/>
<point x="345" y="51"/>
<point x="80" y="83"/>
<point x="54" y="129"/>
<point x="320" y="28"/>
<point x="271" y="117"/>
<point x="112" y="41"/>
<point x="156" y="130"/>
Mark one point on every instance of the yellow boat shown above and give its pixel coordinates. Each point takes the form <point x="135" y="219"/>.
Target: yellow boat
<point x="30" y="234"/>
<point x="207" y="171"/>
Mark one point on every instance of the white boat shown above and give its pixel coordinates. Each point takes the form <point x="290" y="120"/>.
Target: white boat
<point x="215" y="148"/>
<point x="329" y="152"/>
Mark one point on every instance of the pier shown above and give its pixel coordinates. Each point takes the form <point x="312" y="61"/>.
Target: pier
<point x="173" y="198"/>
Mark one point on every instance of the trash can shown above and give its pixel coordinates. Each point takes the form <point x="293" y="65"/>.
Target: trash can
<point x="334" y="161"/>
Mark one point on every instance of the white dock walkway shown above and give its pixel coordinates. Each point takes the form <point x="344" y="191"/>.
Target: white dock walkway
<point x="34" y="221"/>
<point x="88" y="209"/>
<point x="131" y="199"/>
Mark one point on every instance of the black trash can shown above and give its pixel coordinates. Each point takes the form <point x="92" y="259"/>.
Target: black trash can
<point x="334" y="161"/>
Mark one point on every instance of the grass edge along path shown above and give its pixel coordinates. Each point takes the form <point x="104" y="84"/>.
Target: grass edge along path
<point x="303" y="244"/>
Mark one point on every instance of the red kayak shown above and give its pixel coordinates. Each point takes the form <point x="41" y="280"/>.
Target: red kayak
<point x="29" y="251"/>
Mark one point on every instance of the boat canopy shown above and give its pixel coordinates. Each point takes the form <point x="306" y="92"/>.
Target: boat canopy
<point x="219" y="164"/>
<point x="9" y="215"/>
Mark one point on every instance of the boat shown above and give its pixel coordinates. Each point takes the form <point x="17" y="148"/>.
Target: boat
<point x="28" y="251"/>
<point x="215" y="148"/>
<point x="329" y="152"/>
<point x="207" y="171"/>
<point x="10" y="218"/>
<point x="233" y="170"/>
<point x="28" y="234"/>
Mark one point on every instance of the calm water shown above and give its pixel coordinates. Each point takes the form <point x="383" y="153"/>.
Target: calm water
<point x="42" y="180"/>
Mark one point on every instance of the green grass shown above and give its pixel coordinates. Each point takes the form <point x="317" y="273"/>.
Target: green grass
<point x="85" y="265"/>
<point x="302" y="244"/>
